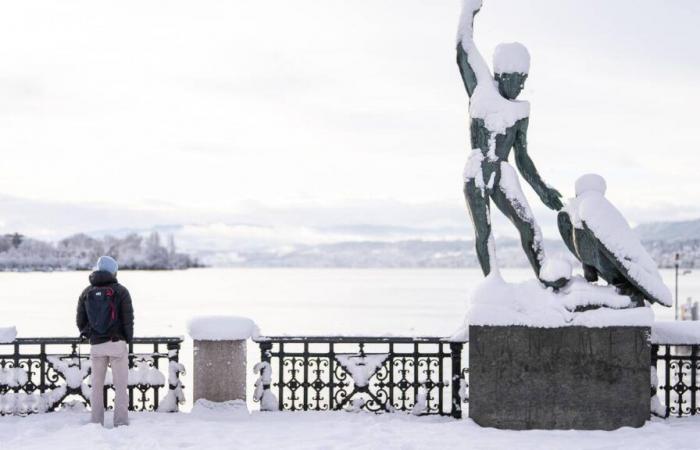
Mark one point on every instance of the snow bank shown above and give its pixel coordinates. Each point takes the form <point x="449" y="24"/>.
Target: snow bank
<point x="676" y="332"/>
<point x="217" y="429"/>
<point x="7" y="334"/>
<point x="227" y="410"/>
<point x="511" y="57"/>
<point x="496" y="302"/>
<point x="222" y="328"/>
<point x="591" y="209"/>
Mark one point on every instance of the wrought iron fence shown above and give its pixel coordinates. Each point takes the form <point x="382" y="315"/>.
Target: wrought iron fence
<point x="678" y="373"/>
<point x="46" y="374"/>
<point x="423" y="375"/>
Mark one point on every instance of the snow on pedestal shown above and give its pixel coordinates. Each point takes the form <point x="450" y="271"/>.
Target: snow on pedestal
<point x="529" y="303"/>
<point x="555" y="269"/>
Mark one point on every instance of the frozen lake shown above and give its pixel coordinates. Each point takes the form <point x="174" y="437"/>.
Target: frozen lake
<point x="413" y="302"/>
<point x="281" y="301"/>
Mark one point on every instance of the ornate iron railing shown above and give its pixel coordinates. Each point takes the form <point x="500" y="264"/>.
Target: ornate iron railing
<point x="46" y="374"/>
<point x="423" y="375"/>
<point x="678" y="373"/>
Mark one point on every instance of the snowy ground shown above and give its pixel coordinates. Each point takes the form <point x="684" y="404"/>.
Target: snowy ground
<point x="337" y="430"/>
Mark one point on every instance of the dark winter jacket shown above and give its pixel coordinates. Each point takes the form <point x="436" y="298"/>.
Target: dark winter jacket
<point x="123" y="327"/>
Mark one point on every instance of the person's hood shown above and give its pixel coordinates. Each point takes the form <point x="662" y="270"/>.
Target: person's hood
<point x="102" y="278"/>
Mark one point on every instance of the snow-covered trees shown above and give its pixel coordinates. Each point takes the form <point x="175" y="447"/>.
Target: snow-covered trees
<point x="80" y="251"/>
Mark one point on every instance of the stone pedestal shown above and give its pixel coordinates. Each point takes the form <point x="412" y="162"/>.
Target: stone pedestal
<point x="559" y="378"/>
<point x="219" y="370"/>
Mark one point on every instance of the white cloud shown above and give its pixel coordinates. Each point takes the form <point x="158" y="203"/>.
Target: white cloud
<point x="208" y="106"/>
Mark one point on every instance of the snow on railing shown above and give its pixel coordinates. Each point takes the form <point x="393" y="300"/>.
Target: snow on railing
<point x="675" y="361"/>
<point x="419" y="375"/>
<point x="45" y="374"/>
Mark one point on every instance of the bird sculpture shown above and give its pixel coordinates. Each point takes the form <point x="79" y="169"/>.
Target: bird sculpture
<point x="600" y="237"/>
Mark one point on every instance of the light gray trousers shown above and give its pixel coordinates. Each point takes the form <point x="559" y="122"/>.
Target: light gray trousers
<point x="117" y="355"/>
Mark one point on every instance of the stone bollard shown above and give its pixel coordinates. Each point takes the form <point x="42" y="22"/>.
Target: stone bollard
<point x="219" y="370"/>
<point x="220" y="348"/>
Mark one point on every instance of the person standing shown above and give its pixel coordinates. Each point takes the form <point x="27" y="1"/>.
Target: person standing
<point x="106" y="316"/>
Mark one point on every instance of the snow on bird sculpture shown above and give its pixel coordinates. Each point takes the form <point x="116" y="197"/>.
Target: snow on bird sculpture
<point x="600" y="237"/>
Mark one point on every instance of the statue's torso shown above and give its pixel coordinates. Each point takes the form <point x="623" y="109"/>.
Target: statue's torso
<point x="492" y="158"/>
<point x="481" y="136"/>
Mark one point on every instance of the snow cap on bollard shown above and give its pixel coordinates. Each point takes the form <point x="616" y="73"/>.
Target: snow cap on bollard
<point x="7" y="334"/>
<point x="219" y="356"/>
<point x="222" y="328"/>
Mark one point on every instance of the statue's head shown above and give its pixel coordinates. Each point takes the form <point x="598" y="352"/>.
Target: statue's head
<point x="511" y="64"/>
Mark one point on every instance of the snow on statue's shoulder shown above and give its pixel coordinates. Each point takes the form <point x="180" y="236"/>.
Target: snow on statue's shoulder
<point x="7" y="334"/>
<point x="222" y="328"/>
<point x="497" y="112"/>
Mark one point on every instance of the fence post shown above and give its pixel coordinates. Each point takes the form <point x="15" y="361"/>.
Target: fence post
<point x="456" y="356"/>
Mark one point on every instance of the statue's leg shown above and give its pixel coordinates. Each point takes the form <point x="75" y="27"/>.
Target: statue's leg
<point x="509" y="198"/>
<point x="479" y="211"/>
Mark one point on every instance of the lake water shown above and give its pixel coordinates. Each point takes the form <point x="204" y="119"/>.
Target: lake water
<point x="281" y="301"/>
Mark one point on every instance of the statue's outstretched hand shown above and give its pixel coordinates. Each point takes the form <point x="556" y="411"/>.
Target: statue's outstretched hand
<point x="552" y="199"/>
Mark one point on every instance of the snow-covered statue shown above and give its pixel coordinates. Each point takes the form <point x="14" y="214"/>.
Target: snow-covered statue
<point x="597" y="234"/>
<point x="498" y="124"/>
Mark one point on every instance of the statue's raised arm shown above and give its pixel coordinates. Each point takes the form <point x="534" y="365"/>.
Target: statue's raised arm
<point x="471" y="64"/>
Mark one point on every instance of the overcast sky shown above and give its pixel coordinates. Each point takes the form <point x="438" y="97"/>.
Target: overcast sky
<point x="134" y="113"/>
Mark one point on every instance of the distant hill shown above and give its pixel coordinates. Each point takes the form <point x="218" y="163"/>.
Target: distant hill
<point x="686" y="230"/>
<point x="663" y="240"/>
<point x="254" y="245"/>
<point x="80" y="252"/>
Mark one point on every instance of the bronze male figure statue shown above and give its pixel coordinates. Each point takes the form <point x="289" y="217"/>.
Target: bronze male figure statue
<point x="498" y="124"/>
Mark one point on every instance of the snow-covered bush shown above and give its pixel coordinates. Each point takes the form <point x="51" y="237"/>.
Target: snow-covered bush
<point x="80" y="251"/>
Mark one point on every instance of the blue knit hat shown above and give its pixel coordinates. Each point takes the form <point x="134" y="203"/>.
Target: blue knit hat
<point x="107" y="264"/>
